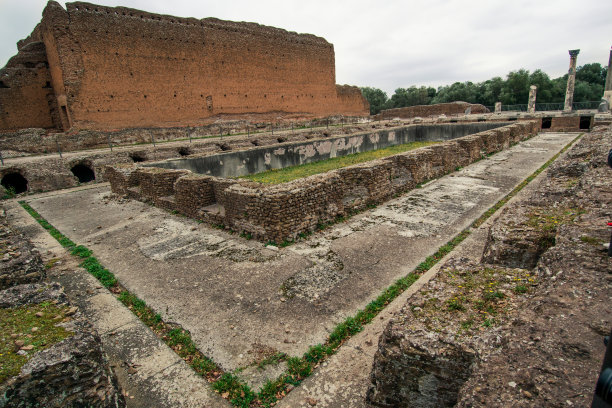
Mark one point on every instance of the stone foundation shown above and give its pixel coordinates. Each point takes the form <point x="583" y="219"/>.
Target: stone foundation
<point x="423" y="111"/>
<point x="282" y="212"/>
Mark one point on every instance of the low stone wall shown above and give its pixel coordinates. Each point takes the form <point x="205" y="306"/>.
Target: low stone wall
<point x="52" y="172"/>
<point x="423" y="111"/>
<point x="293" y="153"/>
<point x="41" y="141"/>
<point x="282" y="212"/>
<point x="19" y="261"/>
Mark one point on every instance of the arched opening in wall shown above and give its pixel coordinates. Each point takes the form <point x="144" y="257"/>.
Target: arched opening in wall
<point x="585" y="122"/>
<point x="223" y="146"/>
<point x="15" y="182"/>
<point x="3" y="85"/>
<point x="281" y="140"/>
<point x="184" y="151"/>
<point x="138" y="157"/>
<point x="546" y="123"/>
<point x="255" y="142"/>
<point x="84" y="173"/>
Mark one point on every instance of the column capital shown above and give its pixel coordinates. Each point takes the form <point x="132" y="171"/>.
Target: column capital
<point x="573" y="53"/>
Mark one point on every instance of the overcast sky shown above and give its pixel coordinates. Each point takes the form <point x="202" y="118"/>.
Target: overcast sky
<point x="392" y="43"/>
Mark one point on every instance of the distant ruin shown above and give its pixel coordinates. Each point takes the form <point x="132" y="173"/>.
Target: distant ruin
<point x="101" y="68"/>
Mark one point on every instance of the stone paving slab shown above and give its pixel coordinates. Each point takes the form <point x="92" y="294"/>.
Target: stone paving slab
<point x="148" y="370"/>
<point x="234" y="296"/>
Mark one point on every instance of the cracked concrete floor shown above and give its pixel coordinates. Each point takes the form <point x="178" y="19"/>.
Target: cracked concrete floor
<point x="236" y="296"/>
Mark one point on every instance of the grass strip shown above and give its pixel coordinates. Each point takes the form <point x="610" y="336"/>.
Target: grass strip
<point x="277" y="176"/>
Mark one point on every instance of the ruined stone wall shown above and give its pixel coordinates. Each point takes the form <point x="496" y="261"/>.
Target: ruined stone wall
<point x="282" y="212"/>
<point x="20" y="262"/>
<point x="423" y="111"/>
<point x="74" y="372"/>
<point x="565" y="124"/>
<point x="112" y="68"/>
<point x="26" y="95"/>
<point x="454" y="344"/>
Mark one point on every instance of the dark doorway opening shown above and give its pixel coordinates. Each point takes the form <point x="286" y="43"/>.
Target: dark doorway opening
<point x="15" y="182"/>
<point x="84" y="173"/>
<point x="138" y="157"/>
<point x="184" y="151"/>
<point x="3" y="85"/>
<point x="546" y="123"/>
<point x="585" y="122"/>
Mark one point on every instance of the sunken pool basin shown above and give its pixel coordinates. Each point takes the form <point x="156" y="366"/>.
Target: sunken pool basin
<point x="260" y="159"/>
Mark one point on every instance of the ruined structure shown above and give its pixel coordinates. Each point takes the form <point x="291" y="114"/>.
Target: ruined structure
<point x="484" y="330"/>
<point x="102" y="68"/>
<point x="281" y="212"/>
<point x="453" y="108"/>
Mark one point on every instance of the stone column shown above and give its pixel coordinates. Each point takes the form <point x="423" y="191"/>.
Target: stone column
<point x="532" y="99"/>
<point x="497" y="107"/>
<point x="571" y="80"/>
<point x="608" y="88"/>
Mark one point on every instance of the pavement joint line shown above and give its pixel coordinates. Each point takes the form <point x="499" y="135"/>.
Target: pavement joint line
<point x="176" y="363"/>
<point x="109" y="331"/>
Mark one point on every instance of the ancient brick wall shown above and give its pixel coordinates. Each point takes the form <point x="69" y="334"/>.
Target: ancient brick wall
<point x="280" y="212"/>
<point x="112" y="68"/>
<point x="565" y="124"/>
<point x="26" y="95"/>
<point x="423" y="111"/>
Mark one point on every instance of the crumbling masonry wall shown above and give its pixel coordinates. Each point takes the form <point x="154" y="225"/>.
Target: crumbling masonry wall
<point x="116" y="68"/>
<point x="423" y="111"/>
<point x="281" y="212"/>
<point x="26" y="95"/>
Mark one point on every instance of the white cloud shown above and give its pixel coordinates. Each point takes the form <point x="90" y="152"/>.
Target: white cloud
<point x="397" y="43"/>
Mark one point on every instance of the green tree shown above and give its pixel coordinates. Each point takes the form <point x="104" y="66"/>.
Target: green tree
<point x="513" y="90"/>
<point x="411" y="96"/>
<point x="592" y="73"/>
<point x="376" y="97"/>
<point x="516" y="88"/>
<point x="459" y="91"/>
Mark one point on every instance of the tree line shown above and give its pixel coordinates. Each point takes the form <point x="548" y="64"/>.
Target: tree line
<point x="590" y="80"/>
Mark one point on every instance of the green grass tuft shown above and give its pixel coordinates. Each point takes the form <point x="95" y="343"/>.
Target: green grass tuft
<point x="277" y="176"/>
